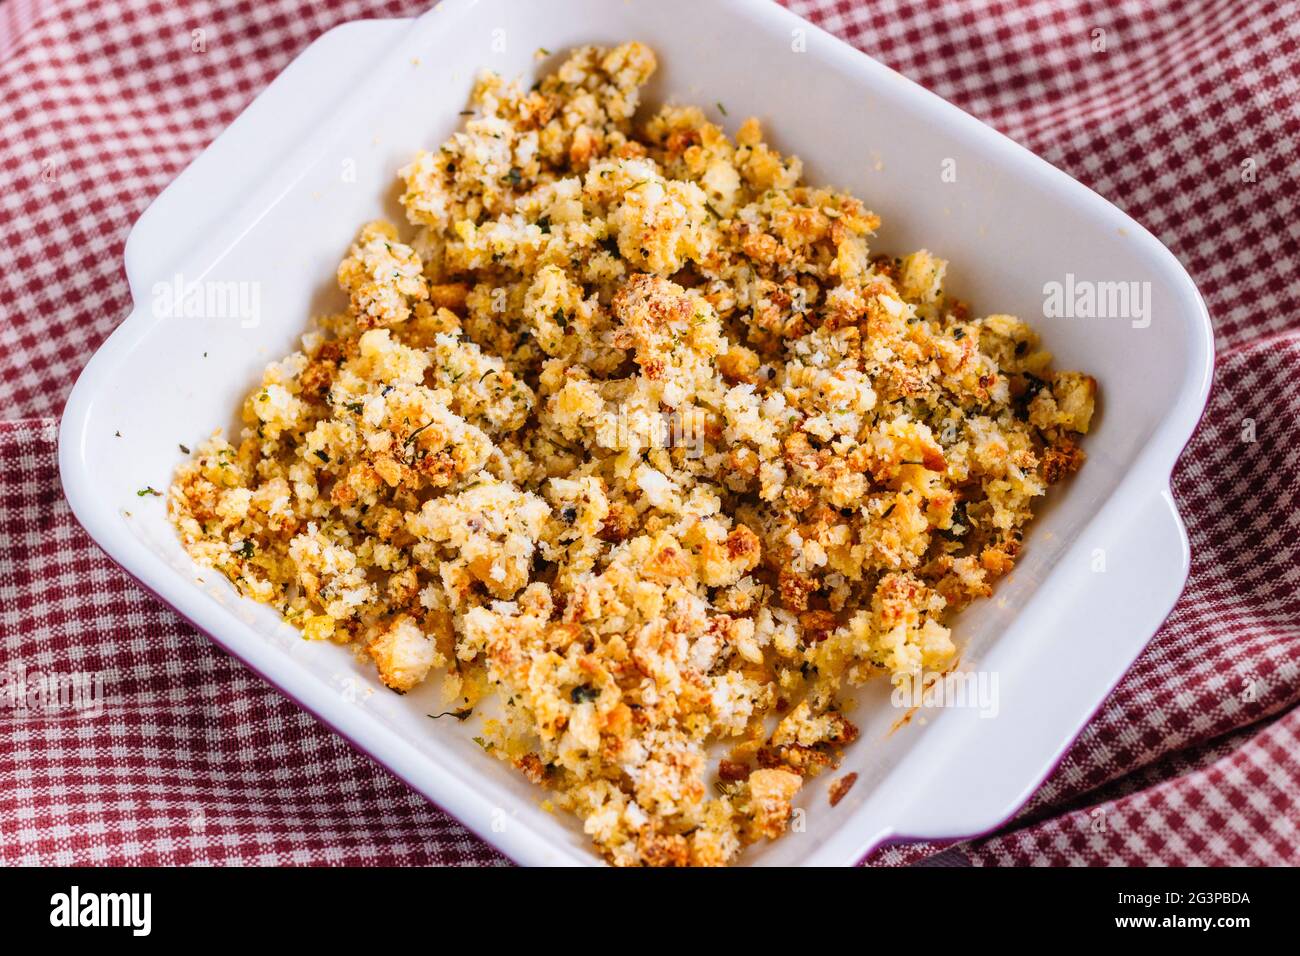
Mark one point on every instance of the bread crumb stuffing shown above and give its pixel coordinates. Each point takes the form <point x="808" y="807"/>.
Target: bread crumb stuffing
<point x="631" y="427"/>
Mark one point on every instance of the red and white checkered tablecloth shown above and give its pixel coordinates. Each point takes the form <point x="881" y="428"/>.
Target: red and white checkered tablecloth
<point x="1195" y="758"/>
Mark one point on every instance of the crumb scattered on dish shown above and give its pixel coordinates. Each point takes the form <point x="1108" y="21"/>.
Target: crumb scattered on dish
<point x="841" y="787"/>
<point x="628" y="429"/>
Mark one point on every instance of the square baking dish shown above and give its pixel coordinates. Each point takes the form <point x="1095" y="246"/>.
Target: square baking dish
<point x="276" y="200"/>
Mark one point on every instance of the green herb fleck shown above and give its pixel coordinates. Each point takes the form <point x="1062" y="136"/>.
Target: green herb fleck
<point x="458" y="714"/>
<point x="959" y="520"/>
<point x="148" y="490"/>
<point x="411" y="437"/>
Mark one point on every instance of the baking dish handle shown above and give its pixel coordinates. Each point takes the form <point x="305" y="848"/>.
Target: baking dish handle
<point x="979" y="784"/>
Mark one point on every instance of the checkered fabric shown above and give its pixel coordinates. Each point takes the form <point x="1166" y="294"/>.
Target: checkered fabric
<point x="1187" y="119"/>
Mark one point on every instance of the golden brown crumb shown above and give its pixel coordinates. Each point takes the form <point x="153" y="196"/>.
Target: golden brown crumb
<point x="770" y="794"/>
<point x="732" y="771"/>
<point x="841" y="787"/>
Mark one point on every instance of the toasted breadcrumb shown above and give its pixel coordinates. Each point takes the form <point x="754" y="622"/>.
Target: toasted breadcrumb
<point x="632" y="427"/>
<point x="840" y="788"/>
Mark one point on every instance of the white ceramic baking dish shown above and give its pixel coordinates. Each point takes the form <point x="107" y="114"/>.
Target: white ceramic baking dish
<point x="276" y="200"/>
